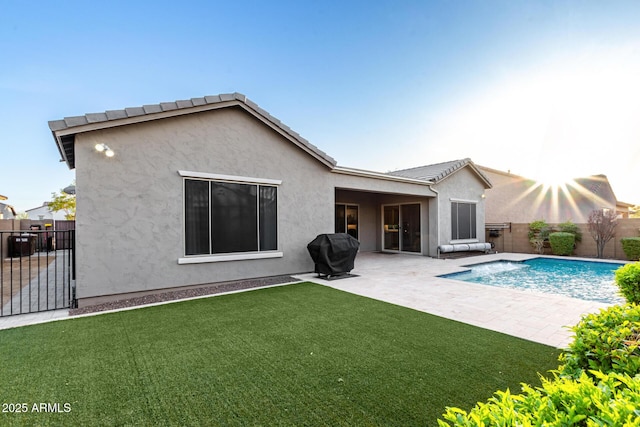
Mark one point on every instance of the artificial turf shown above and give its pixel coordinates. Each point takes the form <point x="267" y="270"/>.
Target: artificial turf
<point x="300" y="354"/>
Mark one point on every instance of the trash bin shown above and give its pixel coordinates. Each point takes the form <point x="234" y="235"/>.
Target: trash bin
<point x="333" y="254"/>
<point x="51" y="244"/>
<point x="22" y="245"/>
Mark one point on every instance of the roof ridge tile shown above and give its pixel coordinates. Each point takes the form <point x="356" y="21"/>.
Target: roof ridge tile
<point x="152" y="108"/>
<point x="116" y="114"/>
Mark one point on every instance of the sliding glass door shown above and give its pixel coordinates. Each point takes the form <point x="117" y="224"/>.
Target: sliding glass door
<point x="401" y="228"/>
<point x="391" y="228"/>
<point x="347" y="219"/>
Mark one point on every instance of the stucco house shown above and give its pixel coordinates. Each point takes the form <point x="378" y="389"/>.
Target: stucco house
<point x="517" y="199"/>
<point x="216" y="189"/>
<point x="6" y="211"/>
<point x="43" y="212"/>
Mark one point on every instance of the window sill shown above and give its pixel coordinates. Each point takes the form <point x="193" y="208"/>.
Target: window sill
<point x="453" y="242"/>
<point x="229" y="257"/>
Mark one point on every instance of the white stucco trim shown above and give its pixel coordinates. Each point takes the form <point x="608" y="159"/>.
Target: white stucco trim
<point x="229" y="257"/>
<point x="377" y="175"/>
<point x="230" y="178"/>
<point x="475" y="202"/>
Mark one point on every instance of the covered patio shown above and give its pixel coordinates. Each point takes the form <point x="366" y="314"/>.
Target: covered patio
<point x="411" y="281"/>
<point x="388" y="222"/>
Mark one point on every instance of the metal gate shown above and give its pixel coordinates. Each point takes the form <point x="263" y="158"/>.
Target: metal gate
<point x="37" y="271"/>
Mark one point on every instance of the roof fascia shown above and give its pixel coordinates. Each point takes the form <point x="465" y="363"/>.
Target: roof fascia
<point x="89" y="127"/>
<point x="474" y="168"/>
<point x="378" y="175"/>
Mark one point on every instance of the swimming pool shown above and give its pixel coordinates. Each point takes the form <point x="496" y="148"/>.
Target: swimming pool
<point x="586" y="280"/>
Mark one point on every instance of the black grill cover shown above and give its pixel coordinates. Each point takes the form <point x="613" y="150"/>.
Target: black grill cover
<point x="333" y="254"/>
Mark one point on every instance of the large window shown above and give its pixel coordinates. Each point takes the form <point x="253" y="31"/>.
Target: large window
<point x="228" y="217"/>
<point x="463" y="221"/>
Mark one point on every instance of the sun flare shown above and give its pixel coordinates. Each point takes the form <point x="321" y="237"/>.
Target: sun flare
<point x="555" y="179"/>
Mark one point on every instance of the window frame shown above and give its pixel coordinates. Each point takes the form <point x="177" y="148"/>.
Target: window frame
<point x="473" y="222"/>
<point x="229" y="256"/>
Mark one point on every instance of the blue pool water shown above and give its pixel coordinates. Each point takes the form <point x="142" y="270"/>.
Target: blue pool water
<point x="586" y="280"/>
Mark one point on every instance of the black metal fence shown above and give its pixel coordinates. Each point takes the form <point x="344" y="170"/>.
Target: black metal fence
<point x="37" y="271"/>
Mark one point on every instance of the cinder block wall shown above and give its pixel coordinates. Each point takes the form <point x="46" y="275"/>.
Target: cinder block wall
<point x="516" y="239"/>
<point x="7" y="225"/>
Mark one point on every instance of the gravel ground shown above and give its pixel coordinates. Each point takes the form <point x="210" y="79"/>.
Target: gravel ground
<point x="187" y="293"/>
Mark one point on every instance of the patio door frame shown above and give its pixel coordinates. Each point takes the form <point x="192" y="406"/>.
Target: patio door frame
<point x="346" y="218"/>
<point x="400" y="229"/>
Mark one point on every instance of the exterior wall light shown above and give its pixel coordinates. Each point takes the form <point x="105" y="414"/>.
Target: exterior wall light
<point x="104" y="148"/>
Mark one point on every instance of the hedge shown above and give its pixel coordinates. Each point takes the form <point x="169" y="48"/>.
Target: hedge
<point x="562" y="243"/>
<point x="599" y="400"/>
<point x="628" y="280"/>
<point x="631" y="247"/>
<point x="607" y="341"/>
<point x="598" y="383"/>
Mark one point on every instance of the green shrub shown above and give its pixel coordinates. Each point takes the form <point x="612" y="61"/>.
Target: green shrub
<point x="538" y="234"/>
<point x="597" y="385"/>
<point x="562" y="243"/>
<point x="631" y="247"/>
<point x="628" y="280"/>
<point x="570" y="227"/>
<point x="537" y="226"/>
<point x="608" y="399"/>
<point x="606" y="341"/>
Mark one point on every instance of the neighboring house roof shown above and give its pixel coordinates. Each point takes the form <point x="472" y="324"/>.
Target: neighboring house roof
<point x="439" y="171"/>
<point x="44" y="205"/>
<point x="42" y="212"/>
<point x="595" y="184"/>
<point x="4" y="208"/>
<point x="64" y="130"/>
<point x="499" y="172"/>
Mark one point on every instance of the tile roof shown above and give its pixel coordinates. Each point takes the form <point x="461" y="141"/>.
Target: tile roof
<point x="64" y="130"/>
<point x="439" y="171"/>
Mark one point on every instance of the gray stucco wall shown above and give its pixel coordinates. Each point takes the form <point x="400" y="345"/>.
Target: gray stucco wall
<point x="130" y="207"/>
<point x="461" y="185"/>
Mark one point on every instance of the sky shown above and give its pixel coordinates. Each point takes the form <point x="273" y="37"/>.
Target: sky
<point x="544" y="89"/>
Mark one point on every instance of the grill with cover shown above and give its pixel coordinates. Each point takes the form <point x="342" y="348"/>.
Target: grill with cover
<point x="333" y="254"/>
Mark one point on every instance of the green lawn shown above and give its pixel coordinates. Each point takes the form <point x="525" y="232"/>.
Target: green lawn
<point x="294" y="355"/>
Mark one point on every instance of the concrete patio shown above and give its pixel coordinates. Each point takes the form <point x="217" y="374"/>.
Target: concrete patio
<point x="411" y="281"/>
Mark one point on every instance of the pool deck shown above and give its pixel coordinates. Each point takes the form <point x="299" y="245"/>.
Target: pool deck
<point x="411" y="281"/>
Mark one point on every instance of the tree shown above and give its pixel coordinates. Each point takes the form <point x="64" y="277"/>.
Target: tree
<point x="538" y="234"/>
<point x="63" y="202"/>
<point x="602" y="227"/>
